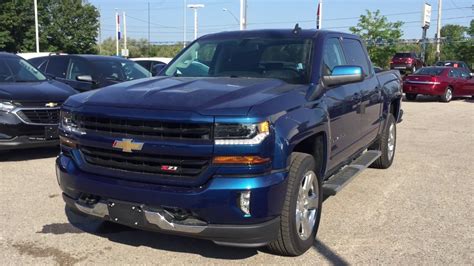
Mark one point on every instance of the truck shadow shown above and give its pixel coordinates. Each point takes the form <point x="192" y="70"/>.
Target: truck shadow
<point x="28" y="154"/>
<point x="134" y="237"/>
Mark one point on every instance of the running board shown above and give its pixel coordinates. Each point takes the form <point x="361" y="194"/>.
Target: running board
<point x="335" y="183"/>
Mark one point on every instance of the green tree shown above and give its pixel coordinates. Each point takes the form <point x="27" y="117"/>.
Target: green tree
<point x="374" y="28"/>
<point x="454" y="35"/>
<point x="64" y="25"/>
<point x="139" y="48"/>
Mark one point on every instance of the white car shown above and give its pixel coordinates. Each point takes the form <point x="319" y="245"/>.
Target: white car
<point x="28" y="56"/>
<point x="152" y="64"/>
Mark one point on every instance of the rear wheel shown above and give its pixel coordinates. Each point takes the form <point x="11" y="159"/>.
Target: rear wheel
<point x="448" y="95"/>
<point x="386" y="144"/>
<point x="301" y="212"/>
<point x="411" y="96"/>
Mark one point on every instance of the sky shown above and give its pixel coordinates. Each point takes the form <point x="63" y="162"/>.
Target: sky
<point x="166" y="16"/>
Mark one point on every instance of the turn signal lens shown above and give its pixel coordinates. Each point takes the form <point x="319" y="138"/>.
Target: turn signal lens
<point x="67" y="142"/>
<point x="240" y="160"/>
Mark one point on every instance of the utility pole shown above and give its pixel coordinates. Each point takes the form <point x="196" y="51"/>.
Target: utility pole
<point x="243" y="14"/>
<point x="184" y="23"/>
<point x="100" y="31"/>
<point x="319" y="21"/>
<point x="195" y="7"/>
<point x="438" y="32"/>
<point x="125" y="50"/>
<point x="36" y="26"/>
<point x="117" y="32"/>
<point x="149" y="29"/>
<point x="425" y="25"/>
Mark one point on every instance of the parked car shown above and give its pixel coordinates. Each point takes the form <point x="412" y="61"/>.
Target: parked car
<point x="406" y="61"/>
<point x="456" y="64"/>
<point x="446" y="82"/>
<point x="236" y="142"/>
<point x="29" y="105"/>
<point x="153" y="64"/>
<point x="88" y="72"/>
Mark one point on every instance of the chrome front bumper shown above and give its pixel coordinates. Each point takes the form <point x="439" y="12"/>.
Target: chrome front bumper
<point x="158" y="218"/>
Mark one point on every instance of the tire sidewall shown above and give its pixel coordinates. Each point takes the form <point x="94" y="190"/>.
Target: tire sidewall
<point x="298" y="243"/>
<point x="386" y="160"/>
<point x="445" y="96"/>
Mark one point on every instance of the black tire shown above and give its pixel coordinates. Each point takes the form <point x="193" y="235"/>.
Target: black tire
<point x="289" y="242"/>
<point x="411" y="96"/>
<point x="448" y="95"/>
<point x="385" y="160"/>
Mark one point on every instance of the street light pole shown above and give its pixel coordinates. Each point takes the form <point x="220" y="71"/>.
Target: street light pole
<point x="36" y="26"/>
<point x="195" y="7"/>
<point x="438" y="31"/>
<point x="184" y="24"/>
<point x="243" y="14"/>
<point x="232" y="14"/>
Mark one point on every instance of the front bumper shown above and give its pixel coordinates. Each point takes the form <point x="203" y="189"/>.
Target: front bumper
<point x="401" y="66"/>
<point x="213" y="207"/>
<point x="14" y="134"/>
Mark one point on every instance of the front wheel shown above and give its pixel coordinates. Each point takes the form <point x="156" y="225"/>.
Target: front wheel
<point x="448" y="95"/>
<point x="301" y="212"/>
<point x="386" y="144"/>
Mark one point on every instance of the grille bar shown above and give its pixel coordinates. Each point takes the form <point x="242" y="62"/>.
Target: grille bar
<point x="118" y="127"/>
<point x="40" y="116"/>
<point x="186" y="167"/>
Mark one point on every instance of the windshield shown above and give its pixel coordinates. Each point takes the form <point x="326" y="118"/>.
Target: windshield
<point x="18" y="70"/>
<point x="431" y="71"/>
<point x="402" y="55"/>
<point x="285" y="59"/>
<point x="115" y="70"/>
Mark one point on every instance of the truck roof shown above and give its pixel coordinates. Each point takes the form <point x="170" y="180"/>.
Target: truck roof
<point x="282" y="33"/>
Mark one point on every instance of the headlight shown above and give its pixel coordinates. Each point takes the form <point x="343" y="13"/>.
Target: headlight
<point x="67" y="122"/>
<point x="241" y="134"/>
<point x="6" y="106"/>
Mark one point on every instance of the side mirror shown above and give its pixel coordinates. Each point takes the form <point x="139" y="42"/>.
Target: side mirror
<point x="85" y="78"/>
<point x="343" y="75"/>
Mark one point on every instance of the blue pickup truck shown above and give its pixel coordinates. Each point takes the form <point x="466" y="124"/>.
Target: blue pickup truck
<point x="236" y="141"/>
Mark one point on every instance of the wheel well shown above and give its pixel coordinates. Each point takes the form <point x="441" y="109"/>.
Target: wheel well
<point x="395" y="108"/>
<point x="316" y="146"/>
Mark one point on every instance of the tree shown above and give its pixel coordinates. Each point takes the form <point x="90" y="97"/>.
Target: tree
<point x="455" y="46"/>
<point x="64" y="25"/>
<point x="374" y="28"/>
<point x="139" y="48"/>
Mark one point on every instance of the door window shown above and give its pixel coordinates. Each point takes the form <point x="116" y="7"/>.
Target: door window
<point x="332" y="56"/>
<point x="78" y="67"/>
<point x="355" y="54"/>
<point x="57" y="66"/>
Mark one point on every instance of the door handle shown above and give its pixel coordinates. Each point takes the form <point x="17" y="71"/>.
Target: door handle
<point x="356" y="97"/>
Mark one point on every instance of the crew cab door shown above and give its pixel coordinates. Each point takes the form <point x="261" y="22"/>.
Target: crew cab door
<point x="343" y="103"/>
<point x="370" y="108"/>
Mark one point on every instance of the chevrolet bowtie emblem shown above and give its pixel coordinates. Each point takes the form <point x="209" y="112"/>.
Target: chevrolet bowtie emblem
<point x="127" y="145"/>
<point x="51" y="105"/>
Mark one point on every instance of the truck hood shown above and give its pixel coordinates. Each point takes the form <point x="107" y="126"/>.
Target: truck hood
<point x="207" y="96"/>
<point x="42" y="91"/>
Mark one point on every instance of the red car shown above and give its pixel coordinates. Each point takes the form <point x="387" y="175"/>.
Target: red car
<point x="446" y="82"/>
<point x="406" y="61"/>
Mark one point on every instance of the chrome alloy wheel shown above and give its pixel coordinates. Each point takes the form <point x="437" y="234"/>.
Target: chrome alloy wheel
<point x="449" y="94"/>
<point x="391" y="141"/>
<point x="307" y="205"/>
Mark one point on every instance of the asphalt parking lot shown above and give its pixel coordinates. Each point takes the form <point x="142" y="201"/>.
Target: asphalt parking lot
<point x="420" y="211"/>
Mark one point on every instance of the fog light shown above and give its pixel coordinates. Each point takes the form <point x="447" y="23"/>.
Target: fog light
<point x="245" y="203"/>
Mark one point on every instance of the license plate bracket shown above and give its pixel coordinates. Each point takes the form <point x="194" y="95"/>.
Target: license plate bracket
<point x="51" y="132"/>
<point x="125" y="213"/>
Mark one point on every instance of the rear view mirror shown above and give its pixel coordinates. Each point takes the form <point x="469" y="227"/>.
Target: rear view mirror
<point x="343" y="75"/>
<point x="85" y="78"/>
